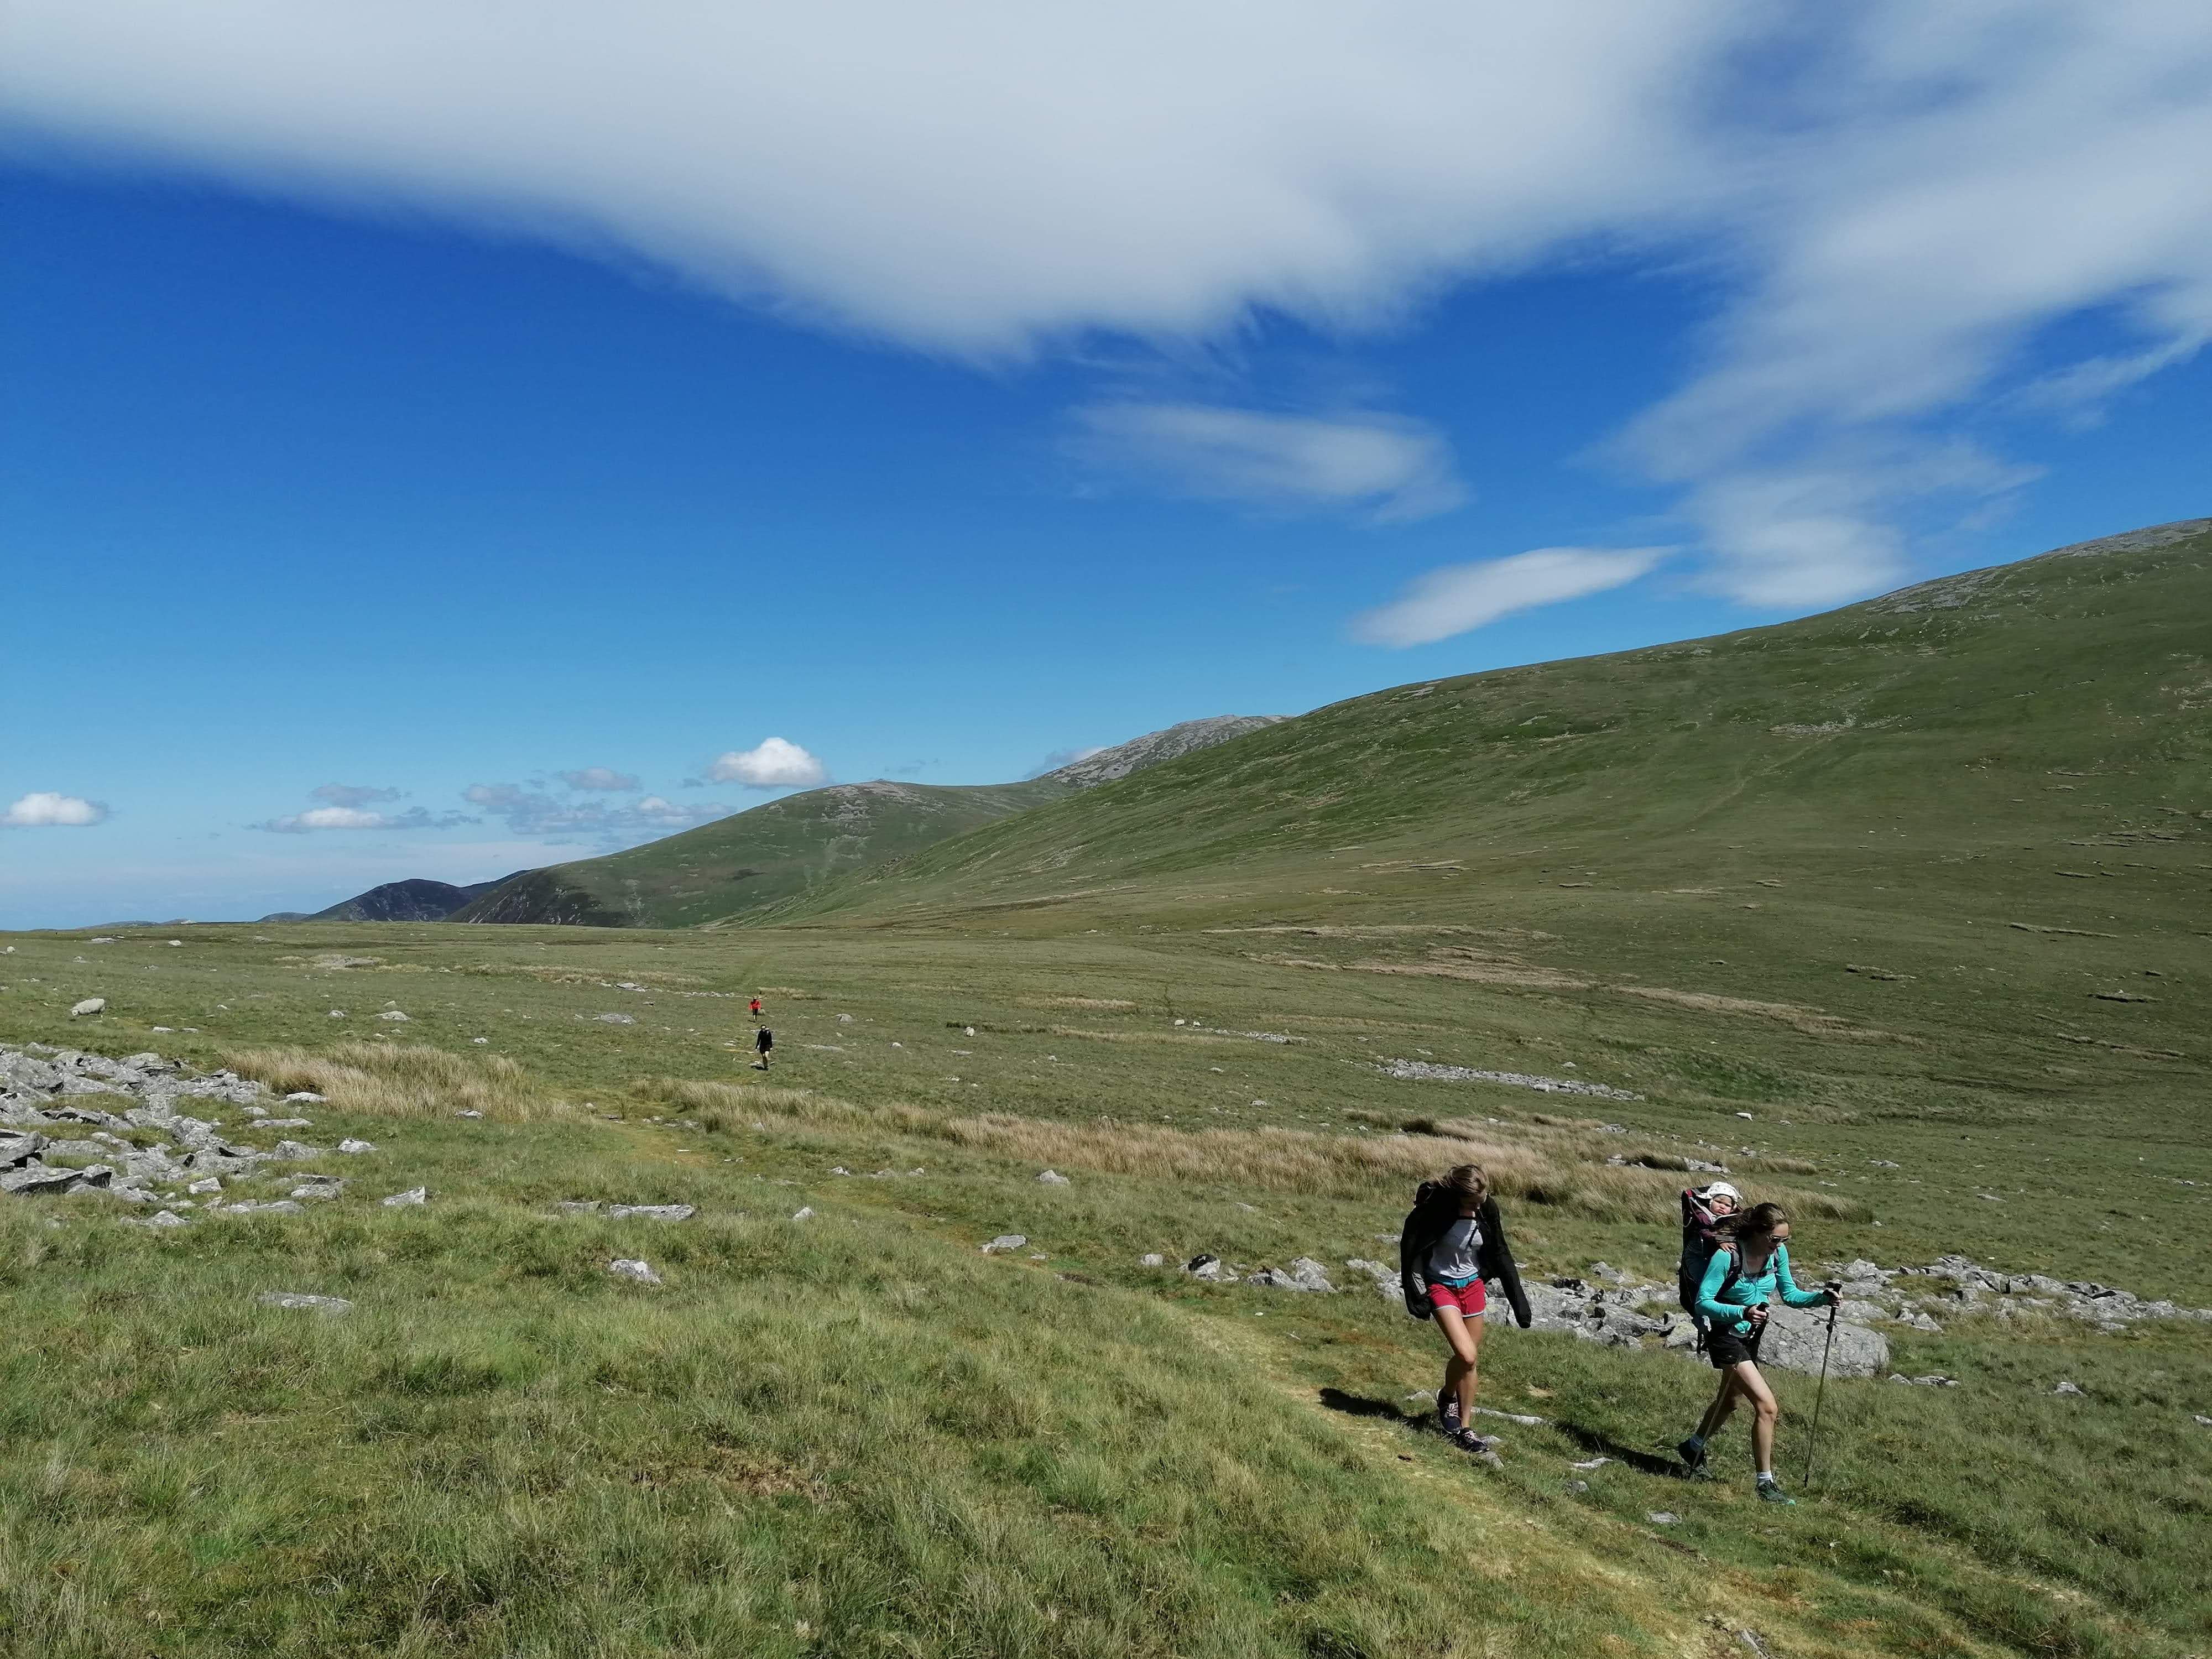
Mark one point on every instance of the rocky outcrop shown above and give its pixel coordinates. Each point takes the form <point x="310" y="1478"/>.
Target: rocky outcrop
<point x="1109" y="765"/>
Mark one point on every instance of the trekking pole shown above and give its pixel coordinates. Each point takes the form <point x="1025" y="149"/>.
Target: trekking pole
<point x="1812" y="1439"/>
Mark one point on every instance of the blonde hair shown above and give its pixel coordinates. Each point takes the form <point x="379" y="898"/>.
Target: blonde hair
<point x="1466" y="1185"/>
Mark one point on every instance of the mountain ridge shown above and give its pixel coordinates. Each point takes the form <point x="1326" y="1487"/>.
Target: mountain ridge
<point x="1914" y="706"/>
<point x="718" y="872"/>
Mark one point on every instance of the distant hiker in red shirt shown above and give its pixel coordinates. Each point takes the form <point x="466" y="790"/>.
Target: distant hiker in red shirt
<point x="755" y="1008"/>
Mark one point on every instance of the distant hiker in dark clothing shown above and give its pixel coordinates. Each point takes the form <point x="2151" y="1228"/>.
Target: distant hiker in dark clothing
<point x="1738" y="1284"/>
<point x="1703" y="1210"/>
<point x="762" y="1043"/>
<point x="1453" y="1241"/>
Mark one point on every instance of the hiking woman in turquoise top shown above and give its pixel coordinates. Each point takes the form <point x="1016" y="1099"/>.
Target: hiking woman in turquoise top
<point x="1748" y="1272"/>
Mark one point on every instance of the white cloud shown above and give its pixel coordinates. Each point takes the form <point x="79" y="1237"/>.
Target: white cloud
<point x="1461" y="597"/>
<point x="352" y="795"/>
<point x="1397" y="469"/>
<point x="598" y="777"/>
<point x="2080" y="391"/>
<point x="45" y="808"/>
<point x="529" y="811"/>
<point x="966" y="181"/>
<point x="356" y="818"/>
<point x="1894" y="201"/>
<point x="775" y="764"/>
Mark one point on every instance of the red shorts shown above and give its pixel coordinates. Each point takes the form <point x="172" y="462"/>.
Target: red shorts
<point x="1467" y="1299"/>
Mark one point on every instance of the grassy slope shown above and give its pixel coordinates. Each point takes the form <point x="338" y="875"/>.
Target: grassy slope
<point x="1965" y="737"/>
<point x="505" y="1452"/>
<point x="869" y="1438"/>
<point x="753" y="858"/>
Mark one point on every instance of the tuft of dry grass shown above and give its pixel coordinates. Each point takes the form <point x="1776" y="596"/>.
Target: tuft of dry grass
<point x="1810" y="1022"/>
<point x="1563" y="1168"/>
<point x="391" y="1080"/>
<point x="553" y="973"/>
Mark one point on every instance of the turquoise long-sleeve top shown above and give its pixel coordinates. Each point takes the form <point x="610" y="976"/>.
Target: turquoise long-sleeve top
<point x="1749" y="1288"/>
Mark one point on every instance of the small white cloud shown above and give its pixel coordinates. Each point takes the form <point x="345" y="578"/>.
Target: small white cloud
<point x="351" y="794"/>
<point x="44" y="809"/>
<point x="355" y="818"/>
<point x="598" y="777"/>
<point x="1392" y="468"/>
<point x="775" y="764"/>
<point x="1460" y="597"/>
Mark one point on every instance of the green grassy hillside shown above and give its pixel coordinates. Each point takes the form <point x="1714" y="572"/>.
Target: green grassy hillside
<point x="754" y="858"/>
<point x="722" y="871"/>
<point x="1975" y="734"/>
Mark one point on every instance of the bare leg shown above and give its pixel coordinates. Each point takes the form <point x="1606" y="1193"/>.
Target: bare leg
<point x="1753" y="1387"/>
<point x="1465" y="1336"/>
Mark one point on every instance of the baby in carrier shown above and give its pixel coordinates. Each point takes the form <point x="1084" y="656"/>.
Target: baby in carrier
<point x="1702" y="1206"/>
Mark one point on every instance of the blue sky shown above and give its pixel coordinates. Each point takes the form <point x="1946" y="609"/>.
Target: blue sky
<point x="382" y="447"/>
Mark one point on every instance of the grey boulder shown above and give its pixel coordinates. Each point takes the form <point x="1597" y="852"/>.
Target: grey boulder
<point x="1795" y="1337"/>
<point x="329" y="1306"/>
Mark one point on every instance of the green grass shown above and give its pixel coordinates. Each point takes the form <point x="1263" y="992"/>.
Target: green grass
<point x="857" y="1434"/>
<point x="860" y="1424"/>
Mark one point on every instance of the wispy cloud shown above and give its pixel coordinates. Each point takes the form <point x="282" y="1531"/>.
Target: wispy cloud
<point x="598" y="777"/>
<point x="2080" y="391"/>
<point x="356" y="818"/>
<point x="1390" y="468"/>
<point x="1894" y="201"/>
<point x="46" y="809"/>
<point x="1462" y="597"/>
<point x="772" y="764"/>
<point x="529" y="811"/>
<point x="351" y="794"/>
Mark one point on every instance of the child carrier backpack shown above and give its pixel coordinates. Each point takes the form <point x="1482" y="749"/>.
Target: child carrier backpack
<point x="1700" y="1241"/>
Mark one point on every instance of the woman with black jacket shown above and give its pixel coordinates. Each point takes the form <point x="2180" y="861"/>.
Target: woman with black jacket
<point x="1453" y="1241"/>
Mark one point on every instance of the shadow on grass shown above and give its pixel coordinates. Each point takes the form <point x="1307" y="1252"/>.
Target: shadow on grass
<point x="1358" y="1405"/>
<point x="1643" y="1462"/>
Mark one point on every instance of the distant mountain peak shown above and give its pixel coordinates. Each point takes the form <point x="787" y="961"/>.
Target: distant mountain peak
<point x="1154" y="747"/>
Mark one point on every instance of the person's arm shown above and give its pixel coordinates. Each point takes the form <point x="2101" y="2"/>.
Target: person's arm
<point x="1790" y="1293"/>
<point x="1709" y="1291"/>
<point x="1506" y="1271"/>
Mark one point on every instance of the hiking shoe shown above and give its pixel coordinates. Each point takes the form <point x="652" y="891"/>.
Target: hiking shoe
<point x="1692" y="1454"/>
<point x="1448" y="1417"/>
<point x="1771" y="1492"/>
<point x="1478" y="1448"/>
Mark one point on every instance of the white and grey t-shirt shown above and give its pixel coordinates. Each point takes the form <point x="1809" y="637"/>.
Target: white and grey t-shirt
<point x="1453" y="1257"/>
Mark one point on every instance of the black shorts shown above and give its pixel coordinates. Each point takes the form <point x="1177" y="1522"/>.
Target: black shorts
<point x="1725" y="1348"/>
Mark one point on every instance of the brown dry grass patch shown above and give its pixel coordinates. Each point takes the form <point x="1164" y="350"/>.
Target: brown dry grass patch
<point x="1462" y="964"/>
<point x="1809" y="1021"/>
<point x="1111" y="1005"/>
<point x="553" y="973"/>
<point x="387" y="1079"/>
<point x="1561" y="1167"/>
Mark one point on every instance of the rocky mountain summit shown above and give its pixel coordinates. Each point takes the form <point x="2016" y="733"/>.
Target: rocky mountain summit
<point x="1155" y="747"/>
